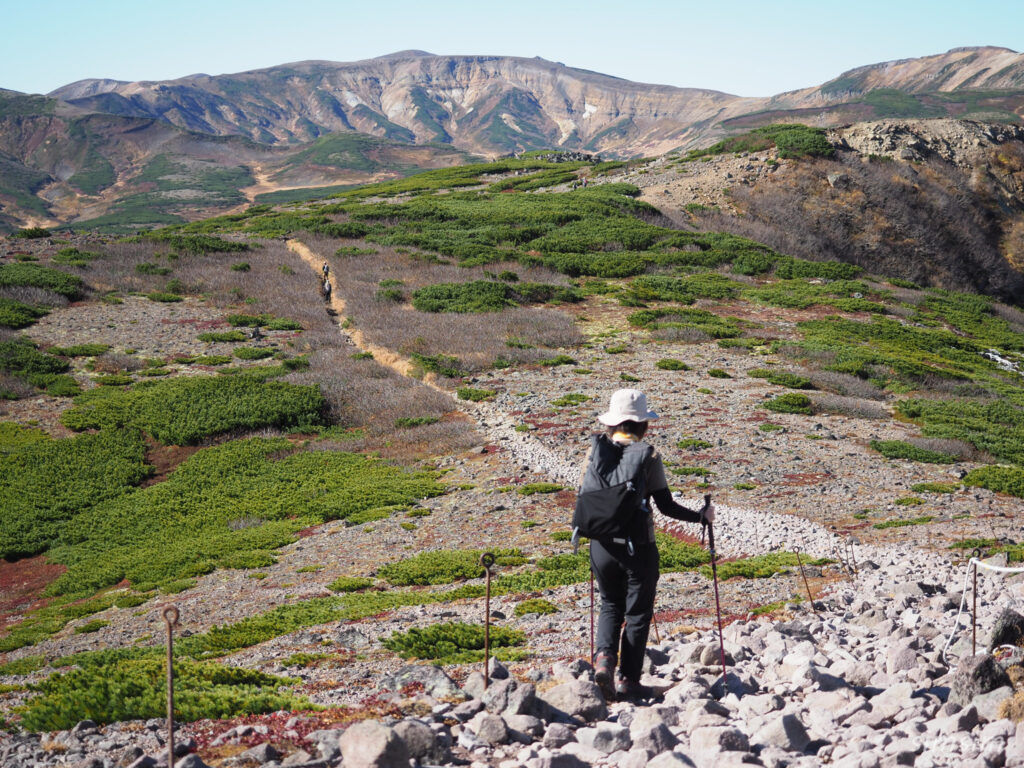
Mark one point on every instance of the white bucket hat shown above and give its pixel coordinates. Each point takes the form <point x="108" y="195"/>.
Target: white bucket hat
<point x="627" y="405"/>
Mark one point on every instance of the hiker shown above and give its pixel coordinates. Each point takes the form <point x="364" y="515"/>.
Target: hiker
<point x="326" y="268"/>
<point x="626" y="569"/>
<point x="327" y="290"/>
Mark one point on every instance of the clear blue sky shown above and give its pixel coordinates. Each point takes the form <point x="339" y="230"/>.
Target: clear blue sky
<point x="745" y="47"/>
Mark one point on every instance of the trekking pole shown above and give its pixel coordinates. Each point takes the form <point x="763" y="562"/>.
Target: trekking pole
<point x="591" y="613"/>
<point x="171" y="619"/>
<point x="487" y="560"/>
<point x="714" y="577"/>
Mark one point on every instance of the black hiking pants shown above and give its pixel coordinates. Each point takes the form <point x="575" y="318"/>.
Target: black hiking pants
<point x="627" y="584"/>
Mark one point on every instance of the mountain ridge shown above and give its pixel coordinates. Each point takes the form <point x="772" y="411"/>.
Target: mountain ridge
<point x="482" y="105"/>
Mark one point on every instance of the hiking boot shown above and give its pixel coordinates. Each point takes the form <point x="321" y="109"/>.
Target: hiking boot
<point x="604" y="675"/>
<point x="632" y="690"/>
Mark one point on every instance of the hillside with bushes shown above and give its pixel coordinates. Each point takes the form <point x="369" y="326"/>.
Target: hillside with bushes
<point x="311" y="480"/>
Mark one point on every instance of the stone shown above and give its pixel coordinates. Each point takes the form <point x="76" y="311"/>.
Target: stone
<point x="521" y="701"/>
<point x="527" y="724"/>
<point x="580" y="699"/>
<point x="434" y="680"/>
<point x="963" y="721"/>
<point x="261" y="753"/>
<point x="298" y="758"/>
<point x="785" y="732"/>
<point x="349" y="637"/>
<point x="987" y="704"/>
<point x="1007" y="630"/>
<point x="671" y="760"/>
<point x="892" y="700"/>
<point x="490" y="729"/>
<point x="975" y="675"/>
<point x="371" y="744"/>
<point x="557" y="735"/>
<point x="562" y="760"/>
<point x="495" y="696"/>
<point x="145" y="761"/>
<point x="901" y="657"/>
<point x="466" y="710"/>
<point x="192" y="761"/>
<point x="497" y="670"/>
<point x="421" y="742"/>
<point x="719" y="739"/>
<point x="654" y="739"/>
<point x="605" y="737"/>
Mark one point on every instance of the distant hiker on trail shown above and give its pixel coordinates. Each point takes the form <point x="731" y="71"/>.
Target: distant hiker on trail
<point x="626" y="565"/>
<point x="326" y="269"/>
<point x="327" y="290"/>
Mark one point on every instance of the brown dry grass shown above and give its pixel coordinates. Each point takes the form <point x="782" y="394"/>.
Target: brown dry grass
<point x="477" y="340"/>
<point x="857" y="407"/>
<point x="360" y="393"/>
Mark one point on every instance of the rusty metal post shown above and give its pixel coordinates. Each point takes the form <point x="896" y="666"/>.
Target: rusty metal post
<point x="974" y="602"/>
<point x="806" y="585"/>
<point x="170" y="614"/>
<point x="487" y="560"/>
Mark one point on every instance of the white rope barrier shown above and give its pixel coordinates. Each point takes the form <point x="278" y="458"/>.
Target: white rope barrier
<point x="973" y="563"/>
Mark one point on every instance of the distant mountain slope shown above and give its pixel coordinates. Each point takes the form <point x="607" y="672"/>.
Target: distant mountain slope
<point x="483" y="104"/>
<point x="88" y="149"/>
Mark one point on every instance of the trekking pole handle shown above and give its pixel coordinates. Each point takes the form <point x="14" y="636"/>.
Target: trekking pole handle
<point x="708" y="525"/>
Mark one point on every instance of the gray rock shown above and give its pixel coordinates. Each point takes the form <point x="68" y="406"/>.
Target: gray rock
<point x="557" y="761"/>
<point x="422" y="742"/>
<point x="893" y="699"/>
<point x="327" y="743"/>
<point x="557" y="735"/>
<point x="671" y="760"/>
<point x="298" y="758"/>
<point x="605" y="737"/>
<point x="654" y="739"/>
<point x="467" y="709"/>
<point x="901" y="657"/>
<point x="497" y="670"/>
<point x="191" y="761"/>
<point x="261" y="753"/>
<point x="976" y="674"/>
<point x="490" y="729"/>
<point x="987" y="704"/>
<point x="495" y="696"/>
<point x="527" y="724"/>
<point x="521" y="701"/>
<point x="719" y="739"/>
<point x="434" y="680"/>
<point x="145" y="761"/>
<point x="371" y="744"/>
<point x="579" y="699"/>
<point x="785" y="732"/>
<point x="349" y="637"/>
<point x="963" y="721"/>
<point x="1008" y="629"/>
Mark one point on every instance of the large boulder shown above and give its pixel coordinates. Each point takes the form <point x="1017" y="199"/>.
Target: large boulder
<point x="371" y="744"/>
<point x="785" y="732"/>
<point x="423" y="743"/>
<point x="1008" y="629"/>
<point x="578" y="700"/>
<point x="976" y="675"/>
